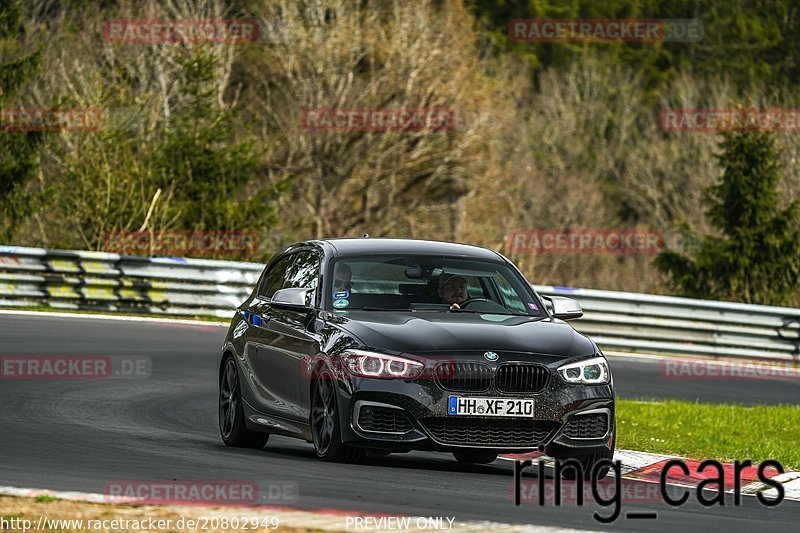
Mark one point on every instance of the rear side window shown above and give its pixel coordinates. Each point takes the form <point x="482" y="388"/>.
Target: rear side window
<point x="297" y="270"/>
<point x="302" y="271"/>
<point x="274" y="278"/>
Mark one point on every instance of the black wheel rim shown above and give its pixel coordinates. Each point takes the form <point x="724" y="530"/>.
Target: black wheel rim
<point x="323" y="413"/>
<point x="227" y="399"/>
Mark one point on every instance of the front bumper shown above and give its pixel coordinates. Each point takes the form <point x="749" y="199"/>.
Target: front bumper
<point x="569" y="419"/>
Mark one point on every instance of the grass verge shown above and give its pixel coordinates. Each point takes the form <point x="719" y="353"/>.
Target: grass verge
<point x="710" y="431"/>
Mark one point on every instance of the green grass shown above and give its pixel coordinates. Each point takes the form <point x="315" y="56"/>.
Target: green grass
<point x="711" y="431"/>
<point x="45" y="498"/>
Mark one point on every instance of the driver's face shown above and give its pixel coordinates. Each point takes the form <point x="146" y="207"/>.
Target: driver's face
<point x="342" y="282"/>
<point x="453" y="292"/>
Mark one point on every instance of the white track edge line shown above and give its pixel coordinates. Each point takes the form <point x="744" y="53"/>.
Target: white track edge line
<point x="119" y="318"/>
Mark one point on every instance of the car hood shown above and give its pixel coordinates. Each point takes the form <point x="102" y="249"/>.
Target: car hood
<point x="408" y="332"/>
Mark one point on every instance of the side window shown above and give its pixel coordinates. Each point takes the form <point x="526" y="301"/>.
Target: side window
<point x="302" y="271"/>
<point x="510" y="296"/>
<point x="474" y="288"/>
<point x="274" y="278"/>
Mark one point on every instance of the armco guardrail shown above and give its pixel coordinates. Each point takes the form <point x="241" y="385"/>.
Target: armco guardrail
<point x="100" y="281"/>
<point x="618" y="321"/>
<point x="633" y="322"/>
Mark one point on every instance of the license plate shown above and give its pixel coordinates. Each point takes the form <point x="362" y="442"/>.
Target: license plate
<point x="465" y="406"/>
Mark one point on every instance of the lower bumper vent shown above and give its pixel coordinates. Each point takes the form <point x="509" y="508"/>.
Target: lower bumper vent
<point x="591" y="426"/>
<point x="383" y="420"/>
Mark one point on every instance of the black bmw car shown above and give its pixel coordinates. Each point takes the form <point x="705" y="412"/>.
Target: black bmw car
<point x="396" y="345"/>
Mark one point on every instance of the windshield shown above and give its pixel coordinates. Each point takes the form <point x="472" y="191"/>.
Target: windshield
<point x="428" y="283"/>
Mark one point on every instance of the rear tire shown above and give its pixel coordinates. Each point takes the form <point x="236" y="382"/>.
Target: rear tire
<point x="475" y="457"/>
<point x="232" y="425"/>
<point x="325" y="429"/>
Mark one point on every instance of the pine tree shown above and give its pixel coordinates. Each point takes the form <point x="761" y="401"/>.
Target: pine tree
<point x="19" y="151"/>
<point x="756" y="257"/>
<point x="208" y="165"/>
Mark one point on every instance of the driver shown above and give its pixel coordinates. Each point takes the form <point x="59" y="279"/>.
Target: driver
<point x="343" y="279"/>
<point x="453" y="291"/>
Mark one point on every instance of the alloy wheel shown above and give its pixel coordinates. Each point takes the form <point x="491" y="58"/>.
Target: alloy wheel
<point x="228" y="399"/>
<point x="323" y="413"/>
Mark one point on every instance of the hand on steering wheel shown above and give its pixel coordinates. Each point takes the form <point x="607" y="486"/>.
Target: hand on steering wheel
<point x="469" y="301"/>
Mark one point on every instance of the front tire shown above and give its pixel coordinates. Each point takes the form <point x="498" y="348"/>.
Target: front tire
<point x="325" y="430"/>
<point x="232" y="425"/>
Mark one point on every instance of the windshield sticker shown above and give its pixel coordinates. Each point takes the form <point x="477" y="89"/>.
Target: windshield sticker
<point x="341" y="302"/>
<point x="533" y="306"/>
<point x="341" y="294"/>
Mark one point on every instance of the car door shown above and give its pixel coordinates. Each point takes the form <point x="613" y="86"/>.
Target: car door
<point x="284" y="341"/>
<point x="270" y="396"/>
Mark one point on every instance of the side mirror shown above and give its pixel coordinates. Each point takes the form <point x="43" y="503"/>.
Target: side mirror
<point x="298" y="299"/>
<point x="565" y="308"/>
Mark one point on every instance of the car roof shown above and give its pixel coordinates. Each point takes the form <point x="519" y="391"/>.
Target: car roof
<point x="349" y="247"/>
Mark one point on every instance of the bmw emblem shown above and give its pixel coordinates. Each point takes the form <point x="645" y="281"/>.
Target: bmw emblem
<point x="490" y="356"/>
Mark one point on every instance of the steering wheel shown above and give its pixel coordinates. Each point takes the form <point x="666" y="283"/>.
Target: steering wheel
<point x="484" y="305"/>
<point x="470" y="301"/>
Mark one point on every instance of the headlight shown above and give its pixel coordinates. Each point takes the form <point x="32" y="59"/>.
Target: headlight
<point x="377" y="365"/>
<point x="591" y="371"/>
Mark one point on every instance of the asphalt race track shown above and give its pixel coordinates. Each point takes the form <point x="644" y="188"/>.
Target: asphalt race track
<point x="638" y="378"/>
<point x="79" y="435"/>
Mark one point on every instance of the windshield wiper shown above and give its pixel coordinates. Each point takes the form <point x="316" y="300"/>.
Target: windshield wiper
<point x="367" y="308"/>
<point x="484" y="312"/>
